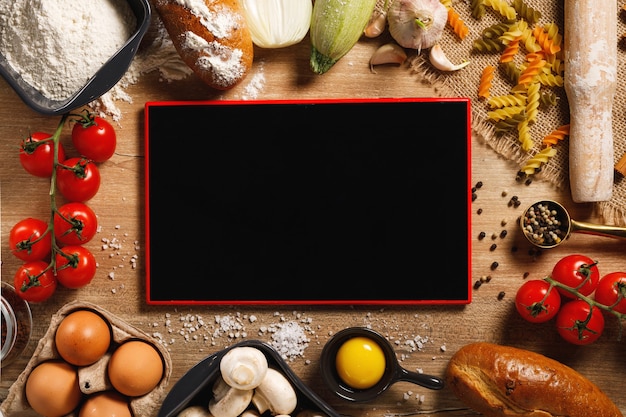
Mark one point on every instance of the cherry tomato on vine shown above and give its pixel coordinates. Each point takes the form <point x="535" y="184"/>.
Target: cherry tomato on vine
<point x="576" y="271"/>
<point x="94" y="137"/>
<point x="78" y="179"/>
<point x="536" y="301"/>
<point x="75" y="267"/>
<point x="29" y="240"/>
<point x="579" y="323"/>
<point x="611" y="291"/>
<point x="34" y="282"/>
<point x="37" y="154"/>
<point x="75" y="223"/>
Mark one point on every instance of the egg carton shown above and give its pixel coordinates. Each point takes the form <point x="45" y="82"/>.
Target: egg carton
<point x="92" y="378"/>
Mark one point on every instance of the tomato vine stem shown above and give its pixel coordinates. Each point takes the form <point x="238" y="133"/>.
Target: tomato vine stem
<point x="53" y="203"/>
<point x="592" y="303"/>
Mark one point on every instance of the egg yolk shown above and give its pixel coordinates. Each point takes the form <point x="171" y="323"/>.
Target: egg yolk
<point x="360" y="362"/>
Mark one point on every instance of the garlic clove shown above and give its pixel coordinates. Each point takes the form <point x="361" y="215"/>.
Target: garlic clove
<point x="389" y="53"/>
<point x="440" y="61"/>
<point x="377" y="24"/>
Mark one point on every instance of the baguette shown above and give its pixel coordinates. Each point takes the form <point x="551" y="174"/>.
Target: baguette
<point x="502" y="381"/>
<point x="211" y="36"/>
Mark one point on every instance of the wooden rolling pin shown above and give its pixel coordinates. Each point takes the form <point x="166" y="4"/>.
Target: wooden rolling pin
<point x="590" y="81"/>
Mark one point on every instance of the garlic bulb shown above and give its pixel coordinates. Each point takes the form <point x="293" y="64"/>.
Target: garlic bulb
<point x="417" y="24"/>
<point x="278" y="23"/>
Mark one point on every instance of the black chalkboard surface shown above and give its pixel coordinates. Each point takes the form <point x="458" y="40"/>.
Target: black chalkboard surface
<point x="361" y="201"/>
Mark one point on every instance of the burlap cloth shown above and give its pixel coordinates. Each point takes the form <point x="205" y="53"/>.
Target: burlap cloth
<point x="465" y="82"/>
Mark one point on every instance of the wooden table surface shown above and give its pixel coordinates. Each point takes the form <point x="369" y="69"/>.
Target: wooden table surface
<point x="491" y="316"/>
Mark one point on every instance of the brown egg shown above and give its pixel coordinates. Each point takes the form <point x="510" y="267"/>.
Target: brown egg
<point x="52" y="388"/>
<point x="106" y="404"/>
<point x="82" y="337"/>
<point x="135" y="368"/>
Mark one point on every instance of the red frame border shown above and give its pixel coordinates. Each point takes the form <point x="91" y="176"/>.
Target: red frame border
<point x="309" y="302"/>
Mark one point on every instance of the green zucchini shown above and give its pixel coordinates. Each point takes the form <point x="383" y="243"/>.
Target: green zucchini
<point x="336" y="26"/>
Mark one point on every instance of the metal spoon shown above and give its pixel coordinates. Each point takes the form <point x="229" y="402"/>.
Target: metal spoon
<point x="546" y="224"/>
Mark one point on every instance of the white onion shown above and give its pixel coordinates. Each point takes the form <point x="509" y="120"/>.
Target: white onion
<point x="277" y="23"/>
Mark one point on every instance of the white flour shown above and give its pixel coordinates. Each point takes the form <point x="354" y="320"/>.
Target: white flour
<point x="58" y="45"/>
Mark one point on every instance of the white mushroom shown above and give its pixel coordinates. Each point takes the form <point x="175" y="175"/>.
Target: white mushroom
<point x="275" y="394"/>
<point x="250" y="413"/>
<point x="243" y="367"/>
<point x="228" y="401"/>
<point x="195" y="411"/>
<point x="307" y="412"/>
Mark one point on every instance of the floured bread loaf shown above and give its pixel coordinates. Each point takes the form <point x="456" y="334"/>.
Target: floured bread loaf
<point x="211" y="36"/>
<point x="500" y="381"/>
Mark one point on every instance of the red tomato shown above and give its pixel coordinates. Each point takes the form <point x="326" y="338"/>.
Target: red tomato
<point x="579" y="323"/>
<point x="576" y="271"/>
<point x="78" y="179"/>
<point x="75" y="267"/>
<point x="37" y="154"/>
<point x="30" y="240"/>
<point x="75" y="223"/>
<point x="34" y="281"/>
<point x="611" y="291"/>
<point x="94" y="137"/>
<point x="536" y="301"/>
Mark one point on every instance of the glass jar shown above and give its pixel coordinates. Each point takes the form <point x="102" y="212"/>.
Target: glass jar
<point x="16" y="321"/>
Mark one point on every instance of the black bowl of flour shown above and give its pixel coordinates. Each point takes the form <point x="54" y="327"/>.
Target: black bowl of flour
<point x="56" y="78"/>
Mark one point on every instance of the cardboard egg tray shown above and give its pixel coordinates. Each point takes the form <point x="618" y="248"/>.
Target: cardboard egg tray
<point x="92" y="378"/>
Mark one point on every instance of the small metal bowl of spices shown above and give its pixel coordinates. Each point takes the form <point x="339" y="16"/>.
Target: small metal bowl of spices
<point x="58" y="61"/>
<point x="17" y="323"/>
<point x="358" y="364"/>
<point x="546" y="224"/>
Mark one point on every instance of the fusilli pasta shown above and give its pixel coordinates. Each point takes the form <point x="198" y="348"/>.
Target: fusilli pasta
<point x="497" y="102"/>
<point x="478" y="9"/>
<point x="526" y="12"/>
<point x="484" y="85"/>
<point x="502" y="7"/>
<point x="532" y="69"/>
<point x="556" y="135"/>
<point x="532" y="102"/>
<point x="510" y="51"/>
<point x="458" y="25"/>
<point x="535" y="163"/>
<point x="487" y="45"/>
<point x="523" y="134"/>
<point x="511" y="71"/>
<point x="504" y="112"/>
<point x="548" y="98"/>
<point x="510" y="122"/>
<point x="548" y="38"/>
